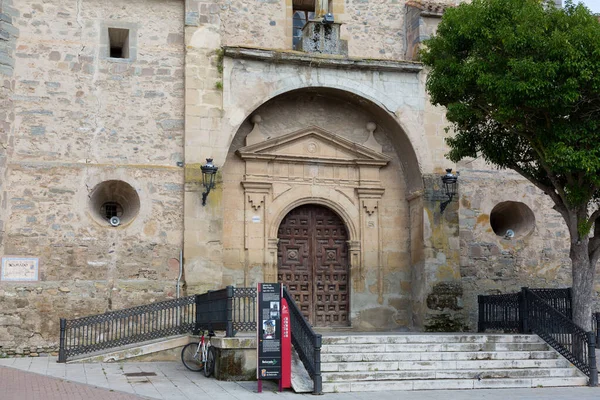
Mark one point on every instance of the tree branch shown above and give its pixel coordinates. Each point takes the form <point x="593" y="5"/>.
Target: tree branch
<point x="560" y="206"/>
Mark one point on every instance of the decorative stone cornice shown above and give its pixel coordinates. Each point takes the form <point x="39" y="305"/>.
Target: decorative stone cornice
<point x="320" y="60"/>
<point x="257" y="187"/>
<point x="314" y="139"/>
<point x="370" y="193"/>
<point x="429" y="8"/>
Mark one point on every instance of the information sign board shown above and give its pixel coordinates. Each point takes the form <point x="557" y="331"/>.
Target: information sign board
<point x="269" y="331"/>
<point x="19" y="269"/>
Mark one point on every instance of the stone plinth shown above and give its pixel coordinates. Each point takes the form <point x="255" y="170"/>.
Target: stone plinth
<point x="236" y="358"/>
<point x="318" y="37"/>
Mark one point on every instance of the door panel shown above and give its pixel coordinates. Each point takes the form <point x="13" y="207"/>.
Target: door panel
<point x="313" y="263"/>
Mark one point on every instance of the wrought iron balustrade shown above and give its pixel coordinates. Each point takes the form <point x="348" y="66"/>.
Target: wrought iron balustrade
<point x="560" y="332"/>
<point x="548" y="313"/>
<point x="211" y="311"/>
<point x="502" y="312"/>
<point x="133" y="325"/>
<point x="596" y="327"/>
<point x="230" y="309"/>
<point x="243" y="307"/>
<point x="499" y="312"/>
<point x="306" y="342"/>
<point x="559" y="299"/>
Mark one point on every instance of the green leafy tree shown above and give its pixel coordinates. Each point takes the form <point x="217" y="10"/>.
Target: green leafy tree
<point x="520" y="80"/>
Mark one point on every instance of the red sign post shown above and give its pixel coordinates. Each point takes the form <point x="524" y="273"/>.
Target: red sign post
<point x="286" y="347"/>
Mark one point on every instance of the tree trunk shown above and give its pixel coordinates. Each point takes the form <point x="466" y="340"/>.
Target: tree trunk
<point x="583" y="285"/>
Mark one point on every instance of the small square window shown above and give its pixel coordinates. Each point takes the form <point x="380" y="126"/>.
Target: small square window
<point x="111" y="209"/>
<point x="118" y="43"/>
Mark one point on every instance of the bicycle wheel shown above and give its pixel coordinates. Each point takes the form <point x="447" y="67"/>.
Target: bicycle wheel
<point x="190" y="356"/>
<point x="209" y="365"/>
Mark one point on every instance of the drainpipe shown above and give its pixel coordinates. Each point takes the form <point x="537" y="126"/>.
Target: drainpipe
<point x="180" y="271"/>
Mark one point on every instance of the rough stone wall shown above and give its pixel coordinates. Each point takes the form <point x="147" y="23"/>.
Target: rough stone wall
<point x="373" y="28"/>
<point x="439" y="304"/>
<point x="82" y="118"/>
<point x="492" y="264"/>
<point x="8" y="37"/>
<point x="204" y="85"/>
<point x="412" y="31"/>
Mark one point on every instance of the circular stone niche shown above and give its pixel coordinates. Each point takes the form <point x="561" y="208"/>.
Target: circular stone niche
<point x="114" y="199"/>
<point x="512" y="216"/>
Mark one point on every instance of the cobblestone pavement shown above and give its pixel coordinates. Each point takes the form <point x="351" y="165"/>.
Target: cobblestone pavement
<point x="43" y="378"/>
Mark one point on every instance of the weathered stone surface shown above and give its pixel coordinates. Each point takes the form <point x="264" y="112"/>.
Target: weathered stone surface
<point x="318" y="37"/>
<point x="69" y="119"/>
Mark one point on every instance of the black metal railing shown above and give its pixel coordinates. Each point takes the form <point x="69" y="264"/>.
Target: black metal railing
<point x="560" y="332"/>
<point x="559" y="299"/>
<point x="596" y="327"/>
<point x="306" y="342"/>
<point x="502" y="312"/>
<point x="133" y="325"/>
<point x="548" y="313"/>
<point x="243" y="309"/>
<point x="211" y="311"/>
<point x="499" y="312"/>
<point x="230" y="309"/>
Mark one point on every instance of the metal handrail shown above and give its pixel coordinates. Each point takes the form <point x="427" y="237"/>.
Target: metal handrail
<point x="230" y="309"/>
<point x="596" y="326"/>
<point x="560" y="332"/>
<point x="122" y="327"/>
<point x="307" y="343"/>
<point x="503" y="311"/>
<point x="499" y="312"/>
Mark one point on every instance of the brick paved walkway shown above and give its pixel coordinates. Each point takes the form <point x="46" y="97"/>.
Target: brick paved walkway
<point x="20" y="385"/>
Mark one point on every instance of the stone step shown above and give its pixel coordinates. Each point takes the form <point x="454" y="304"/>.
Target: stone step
<point x="429" y="338"/>
<point x="432" y="347"/>
<point x="478" y="374"/>
<point x="439" y="356"/>
<point x="439" y="384"/>
<point x="443" y="365"/>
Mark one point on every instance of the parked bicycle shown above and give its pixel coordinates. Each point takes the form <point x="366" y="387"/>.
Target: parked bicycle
<point x="200" y="356"/>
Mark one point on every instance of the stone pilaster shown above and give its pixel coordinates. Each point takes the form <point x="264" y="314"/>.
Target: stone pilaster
<point x="8" y="38"/>
<point x="370" y="227"/>
<point x="256" y="195"/>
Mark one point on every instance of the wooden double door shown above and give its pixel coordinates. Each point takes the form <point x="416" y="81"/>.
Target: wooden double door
<point x="312" y="261"/>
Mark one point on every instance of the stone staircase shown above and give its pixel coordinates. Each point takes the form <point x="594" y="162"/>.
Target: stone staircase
<point x="442" y="361"/>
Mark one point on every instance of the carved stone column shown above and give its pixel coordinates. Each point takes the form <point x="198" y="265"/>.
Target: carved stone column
<point x="357" y="274"/>
<point x="270" y="271"/>
<point x="371" y="236"/>
<point x="256" y="197"/>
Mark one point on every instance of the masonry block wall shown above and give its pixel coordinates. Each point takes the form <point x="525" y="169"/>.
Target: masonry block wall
<point x="82" y="121"/>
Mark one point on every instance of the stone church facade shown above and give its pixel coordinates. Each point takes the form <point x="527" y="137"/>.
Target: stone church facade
<point x="329" y="153"/>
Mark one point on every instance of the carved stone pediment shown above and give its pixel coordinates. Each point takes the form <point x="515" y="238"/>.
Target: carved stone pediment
<point x="313" y="145"/>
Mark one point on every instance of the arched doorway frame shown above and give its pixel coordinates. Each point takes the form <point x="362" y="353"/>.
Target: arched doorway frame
<point x="341" y="205"/>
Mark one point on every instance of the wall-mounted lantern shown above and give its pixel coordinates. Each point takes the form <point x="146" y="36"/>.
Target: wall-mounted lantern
<point x="449" y="180"/>
<point x="209" y="172"/>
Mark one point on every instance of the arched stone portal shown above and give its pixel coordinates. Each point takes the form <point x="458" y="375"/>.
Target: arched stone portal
<point x="312" y="261"/>
<point x="320" y="149"/>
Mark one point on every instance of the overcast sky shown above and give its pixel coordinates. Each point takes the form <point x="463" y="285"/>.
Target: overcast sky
<point x="593" y="5"/>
